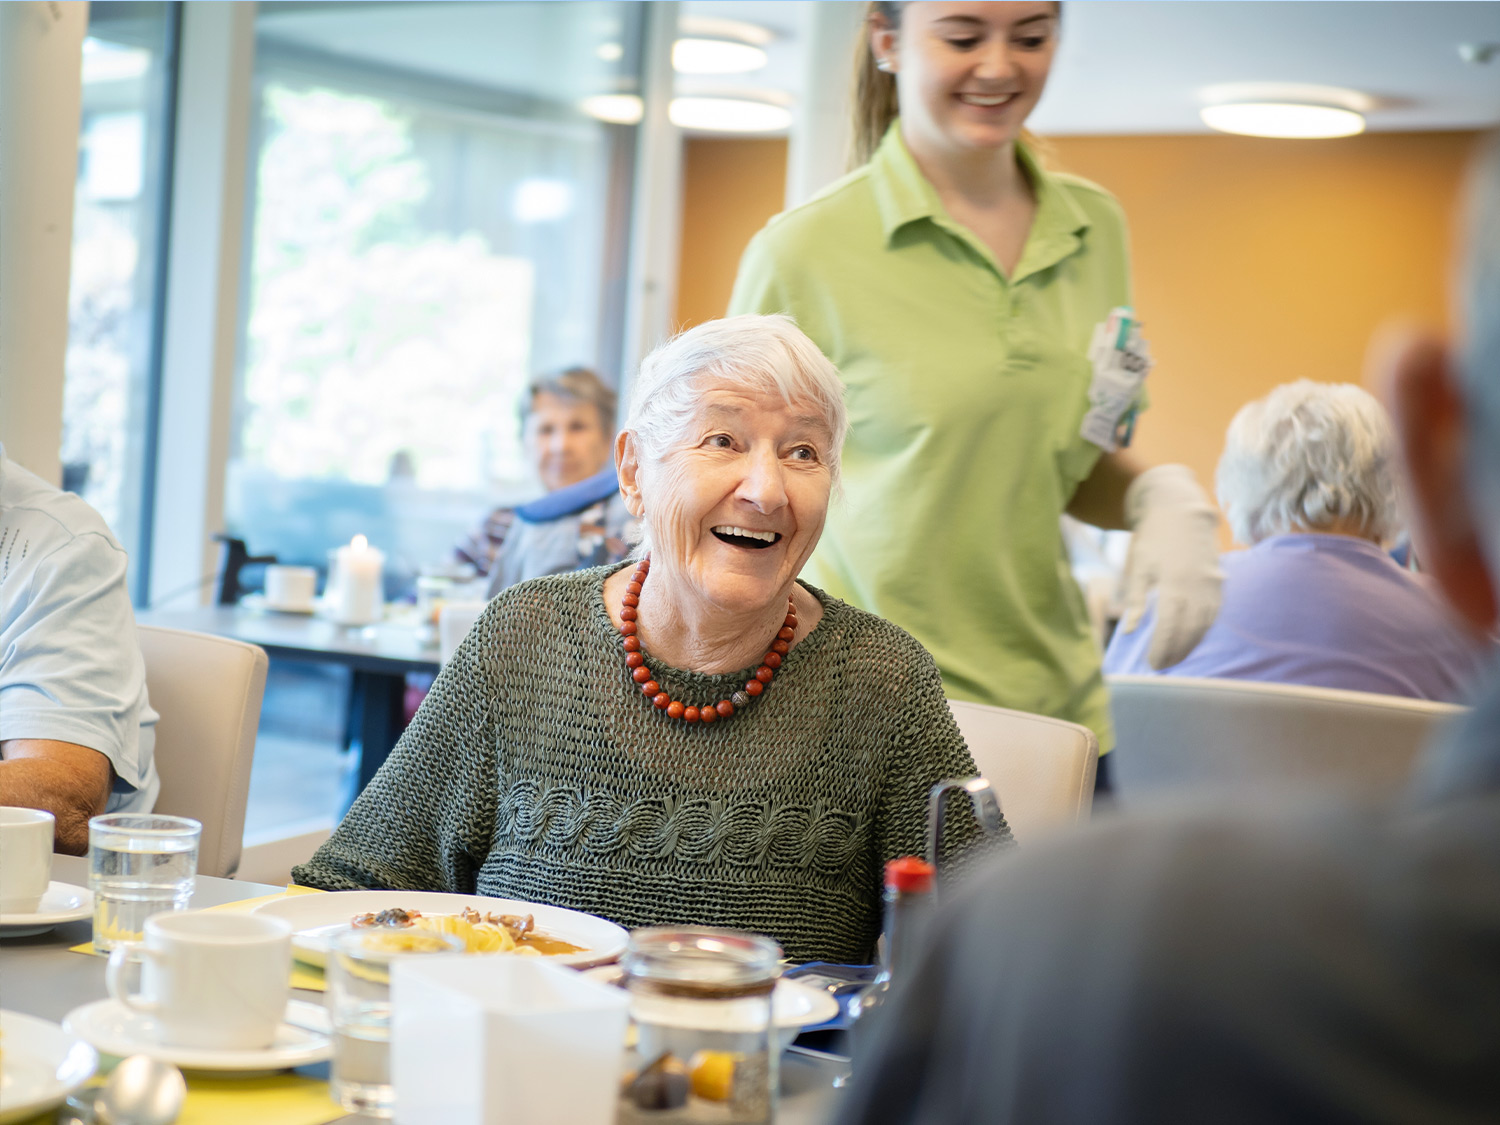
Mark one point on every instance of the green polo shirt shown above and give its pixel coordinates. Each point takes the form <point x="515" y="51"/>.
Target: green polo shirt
<point x="966" y="389"/>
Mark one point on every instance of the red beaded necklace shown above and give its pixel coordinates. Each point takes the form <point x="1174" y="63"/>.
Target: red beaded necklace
<point x="723" y="709"/>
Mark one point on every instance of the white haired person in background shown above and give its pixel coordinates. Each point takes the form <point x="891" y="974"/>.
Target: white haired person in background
<point x="1312" y="961"/>
<point x="694" y="736"/>
<point x="1309" y="482"/>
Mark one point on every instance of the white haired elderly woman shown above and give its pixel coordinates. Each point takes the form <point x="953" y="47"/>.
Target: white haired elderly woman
<point x="695" y="736"/>
<point x="1308" y="481"/>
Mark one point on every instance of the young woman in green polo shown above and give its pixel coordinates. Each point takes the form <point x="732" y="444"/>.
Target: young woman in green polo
<point x="958" y="286"/>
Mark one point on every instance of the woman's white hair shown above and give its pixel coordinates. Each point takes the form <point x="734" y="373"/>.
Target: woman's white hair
<point x="1309" y="456"/>
<point x="767" y="354"/>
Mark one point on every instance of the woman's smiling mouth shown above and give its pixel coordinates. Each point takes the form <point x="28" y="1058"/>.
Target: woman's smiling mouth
<point x="744" y="537"/>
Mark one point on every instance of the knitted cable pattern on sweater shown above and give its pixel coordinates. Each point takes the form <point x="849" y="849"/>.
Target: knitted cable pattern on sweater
<point x="536" y="770"/>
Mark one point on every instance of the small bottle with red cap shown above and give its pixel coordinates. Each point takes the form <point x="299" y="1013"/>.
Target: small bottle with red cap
<point x="909" y="884"/>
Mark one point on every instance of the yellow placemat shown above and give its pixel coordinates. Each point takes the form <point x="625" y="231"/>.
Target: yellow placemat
<point x="273" y="1099"/>
<point x="270" y="1099"/>
<point x="303" y="976"/>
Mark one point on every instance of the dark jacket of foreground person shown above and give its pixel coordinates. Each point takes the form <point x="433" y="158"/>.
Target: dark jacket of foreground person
<point x="1337" y="967"/>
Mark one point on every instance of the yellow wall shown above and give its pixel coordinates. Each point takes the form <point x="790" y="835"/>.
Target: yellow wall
<point x="1256" y="262"/>
<point x="730" y="188"/>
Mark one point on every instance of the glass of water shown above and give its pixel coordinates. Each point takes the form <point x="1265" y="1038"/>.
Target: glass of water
<point x="359" y="1002"/>
<point x="139" y="864"/>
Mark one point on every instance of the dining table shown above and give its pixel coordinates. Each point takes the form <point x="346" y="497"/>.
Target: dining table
<point x="379" y="657"/>
<point x="41" y="976"/>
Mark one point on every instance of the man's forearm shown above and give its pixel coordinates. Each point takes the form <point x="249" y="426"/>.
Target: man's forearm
<point x="37" y="783"/>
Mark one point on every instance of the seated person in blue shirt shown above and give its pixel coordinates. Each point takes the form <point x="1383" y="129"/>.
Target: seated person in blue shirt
<point x="568" y="427"/>
<point x="1308" y="480"/>
<point x="76" y="728"/>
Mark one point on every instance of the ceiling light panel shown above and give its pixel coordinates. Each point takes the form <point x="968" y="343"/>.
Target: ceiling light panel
<point x="716" y="56"/>
<point x="728" y="115"/>
<point x="1283" y="119"/>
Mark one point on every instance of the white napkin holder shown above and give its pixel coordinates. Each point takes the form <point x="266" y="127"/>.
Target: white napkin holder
<point x="495" y="1039"/>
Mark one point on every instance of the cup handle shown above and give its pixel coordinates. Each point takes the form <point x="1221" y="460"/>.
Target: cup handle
<point x="119" y="959"/>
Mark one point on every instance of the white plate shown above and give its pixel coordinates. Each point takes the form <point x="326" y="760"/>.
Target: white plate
<point x="794" y="1005"/>
<point x="42" y="1065"/>
<point x="63" y="902"/>
<point x="316" y="917"/>
<point x="116" y="1030"/>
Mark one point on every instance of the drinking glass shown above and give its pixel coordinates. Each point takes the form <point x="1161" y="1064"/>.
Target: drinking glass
<point x="139" y="865"/>
<point x="359" y="1002"/>
<point x="700" y="1003"/>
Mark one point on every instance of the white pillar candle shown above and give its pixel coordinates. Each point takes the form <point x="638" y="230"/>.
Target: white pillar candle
<point x="358" y="596"/>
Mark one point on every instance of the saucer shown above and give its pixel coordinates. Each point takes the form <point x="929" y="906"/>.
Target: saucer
<point x="42" y="1065"/>
<point x="62" y="902"/>
<point x="258" y="602"/>
<point x="116" y="1030"/>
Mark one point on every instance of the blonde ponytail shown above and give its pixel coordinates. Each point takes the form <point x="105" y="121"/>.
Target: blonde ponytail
<point x="875" y="104"/>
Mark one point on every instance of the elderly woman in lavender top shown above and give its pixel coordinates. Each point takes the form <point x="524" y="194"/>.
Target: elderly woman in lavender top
<point x="695" y="736"/>
<point x="1308" y="481"/>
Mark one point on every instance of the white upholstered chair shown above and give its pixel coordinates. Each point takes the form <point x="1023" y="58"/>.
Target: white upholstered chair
<point x="208" y="692"/>
<point x="1041" y="769"/>
<point x="1231" y="736"/>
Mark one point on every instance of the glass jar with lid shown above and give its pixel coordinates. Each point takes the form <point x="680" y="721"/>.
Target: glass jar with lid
<point x="701" y="1013"/>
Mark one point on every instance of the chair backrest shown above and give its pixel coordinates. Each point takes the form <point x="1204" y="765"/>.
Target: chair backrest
<point x="1042" y="769"/>
<point x="1237" y="736"/>
<point x="455" y="620"/>
<point x="208" y="692"/>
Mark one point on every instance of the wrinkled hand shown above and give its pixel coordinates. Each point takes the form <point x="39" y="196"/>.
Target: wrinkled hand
<point x="1174" y="550"/>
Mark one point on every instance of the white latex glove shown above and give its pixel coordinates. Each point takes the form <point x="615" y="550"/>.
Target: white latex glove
<point x="1174" y="550"/>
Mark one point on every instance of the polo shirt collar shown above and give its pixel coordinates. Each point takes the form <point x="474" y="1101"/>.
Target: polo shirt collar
<point x="903" y="196"/>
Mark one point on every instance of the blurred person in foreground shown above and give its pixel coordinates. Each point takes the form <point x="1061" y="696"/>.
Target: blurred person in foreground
<point x="695" y="736"/>
<point x="567" y="427"/>
<point x="1317" y="963"/>
<point x="76" y="727"/>
<point x="1309" y="482"/>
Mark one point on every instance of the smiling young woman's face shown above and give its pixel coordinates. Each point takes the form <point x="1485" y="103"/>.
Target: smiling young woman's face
<point x="736" y="508"/>
<point x="968" y="74"/>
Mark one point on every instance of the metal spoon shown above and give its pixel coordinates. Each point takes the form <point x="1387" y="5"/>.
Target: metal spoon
<point x="141" y="1091"/>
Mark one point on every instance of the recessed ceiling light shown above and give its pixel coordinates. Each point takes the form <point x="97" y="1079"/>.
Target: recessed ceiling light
<point x="610" y="52"/>
<point x="1283" y="119"/>
<point x="716" y="56"/>
<point x="728" y="115"/>
<point x="1284" y="109"/>
<point x="617" y="109"/>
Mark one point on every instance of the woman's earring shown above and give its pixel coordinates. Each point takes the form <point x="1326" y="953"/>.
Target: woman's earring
<point x="884" y="66"/>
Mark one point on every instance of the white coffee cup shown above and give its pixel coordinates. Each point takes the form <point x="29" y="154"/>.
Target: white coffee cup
<point x="209" y="979"/>
<point x="290" y="587"/>
<point x="25" y="858"/>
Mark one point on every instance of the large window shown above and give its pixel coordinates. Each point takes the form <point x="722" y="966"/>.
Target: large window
<point x="435" y="218"/>
<point x="114" y="305"/>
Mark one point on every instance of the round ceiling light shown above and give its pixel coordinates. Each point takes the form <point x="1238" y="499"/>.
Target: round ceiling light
<point x="617" y="109"/>
<point x="1283" y="119"/>
<point x="728" y="115"/>
<point x="1284" y="109"/>
<point x="716" y="56"/>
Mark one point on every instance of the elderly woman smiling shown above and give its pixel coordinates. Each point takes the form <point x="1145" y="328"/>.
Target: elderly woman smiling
<point x="695" y="737"/>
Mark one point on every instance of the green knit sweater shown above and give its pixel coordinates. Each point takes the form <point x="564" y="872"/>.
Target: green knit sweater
<point x="536" y="770"/>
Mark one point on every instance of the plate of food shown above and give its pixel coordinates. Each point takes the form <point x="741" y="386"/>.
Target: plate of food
<point x="485" y="925"/>
<point x="794" y="1005"/>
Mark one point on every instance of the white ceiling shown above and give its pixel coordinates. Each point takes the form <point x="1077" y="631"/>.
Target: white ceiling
<point x="1124" y="66"/>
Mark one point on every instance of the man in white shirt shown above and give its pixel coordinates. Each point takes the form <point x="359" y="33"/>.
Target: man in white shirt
<point x="76" y="728"/>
